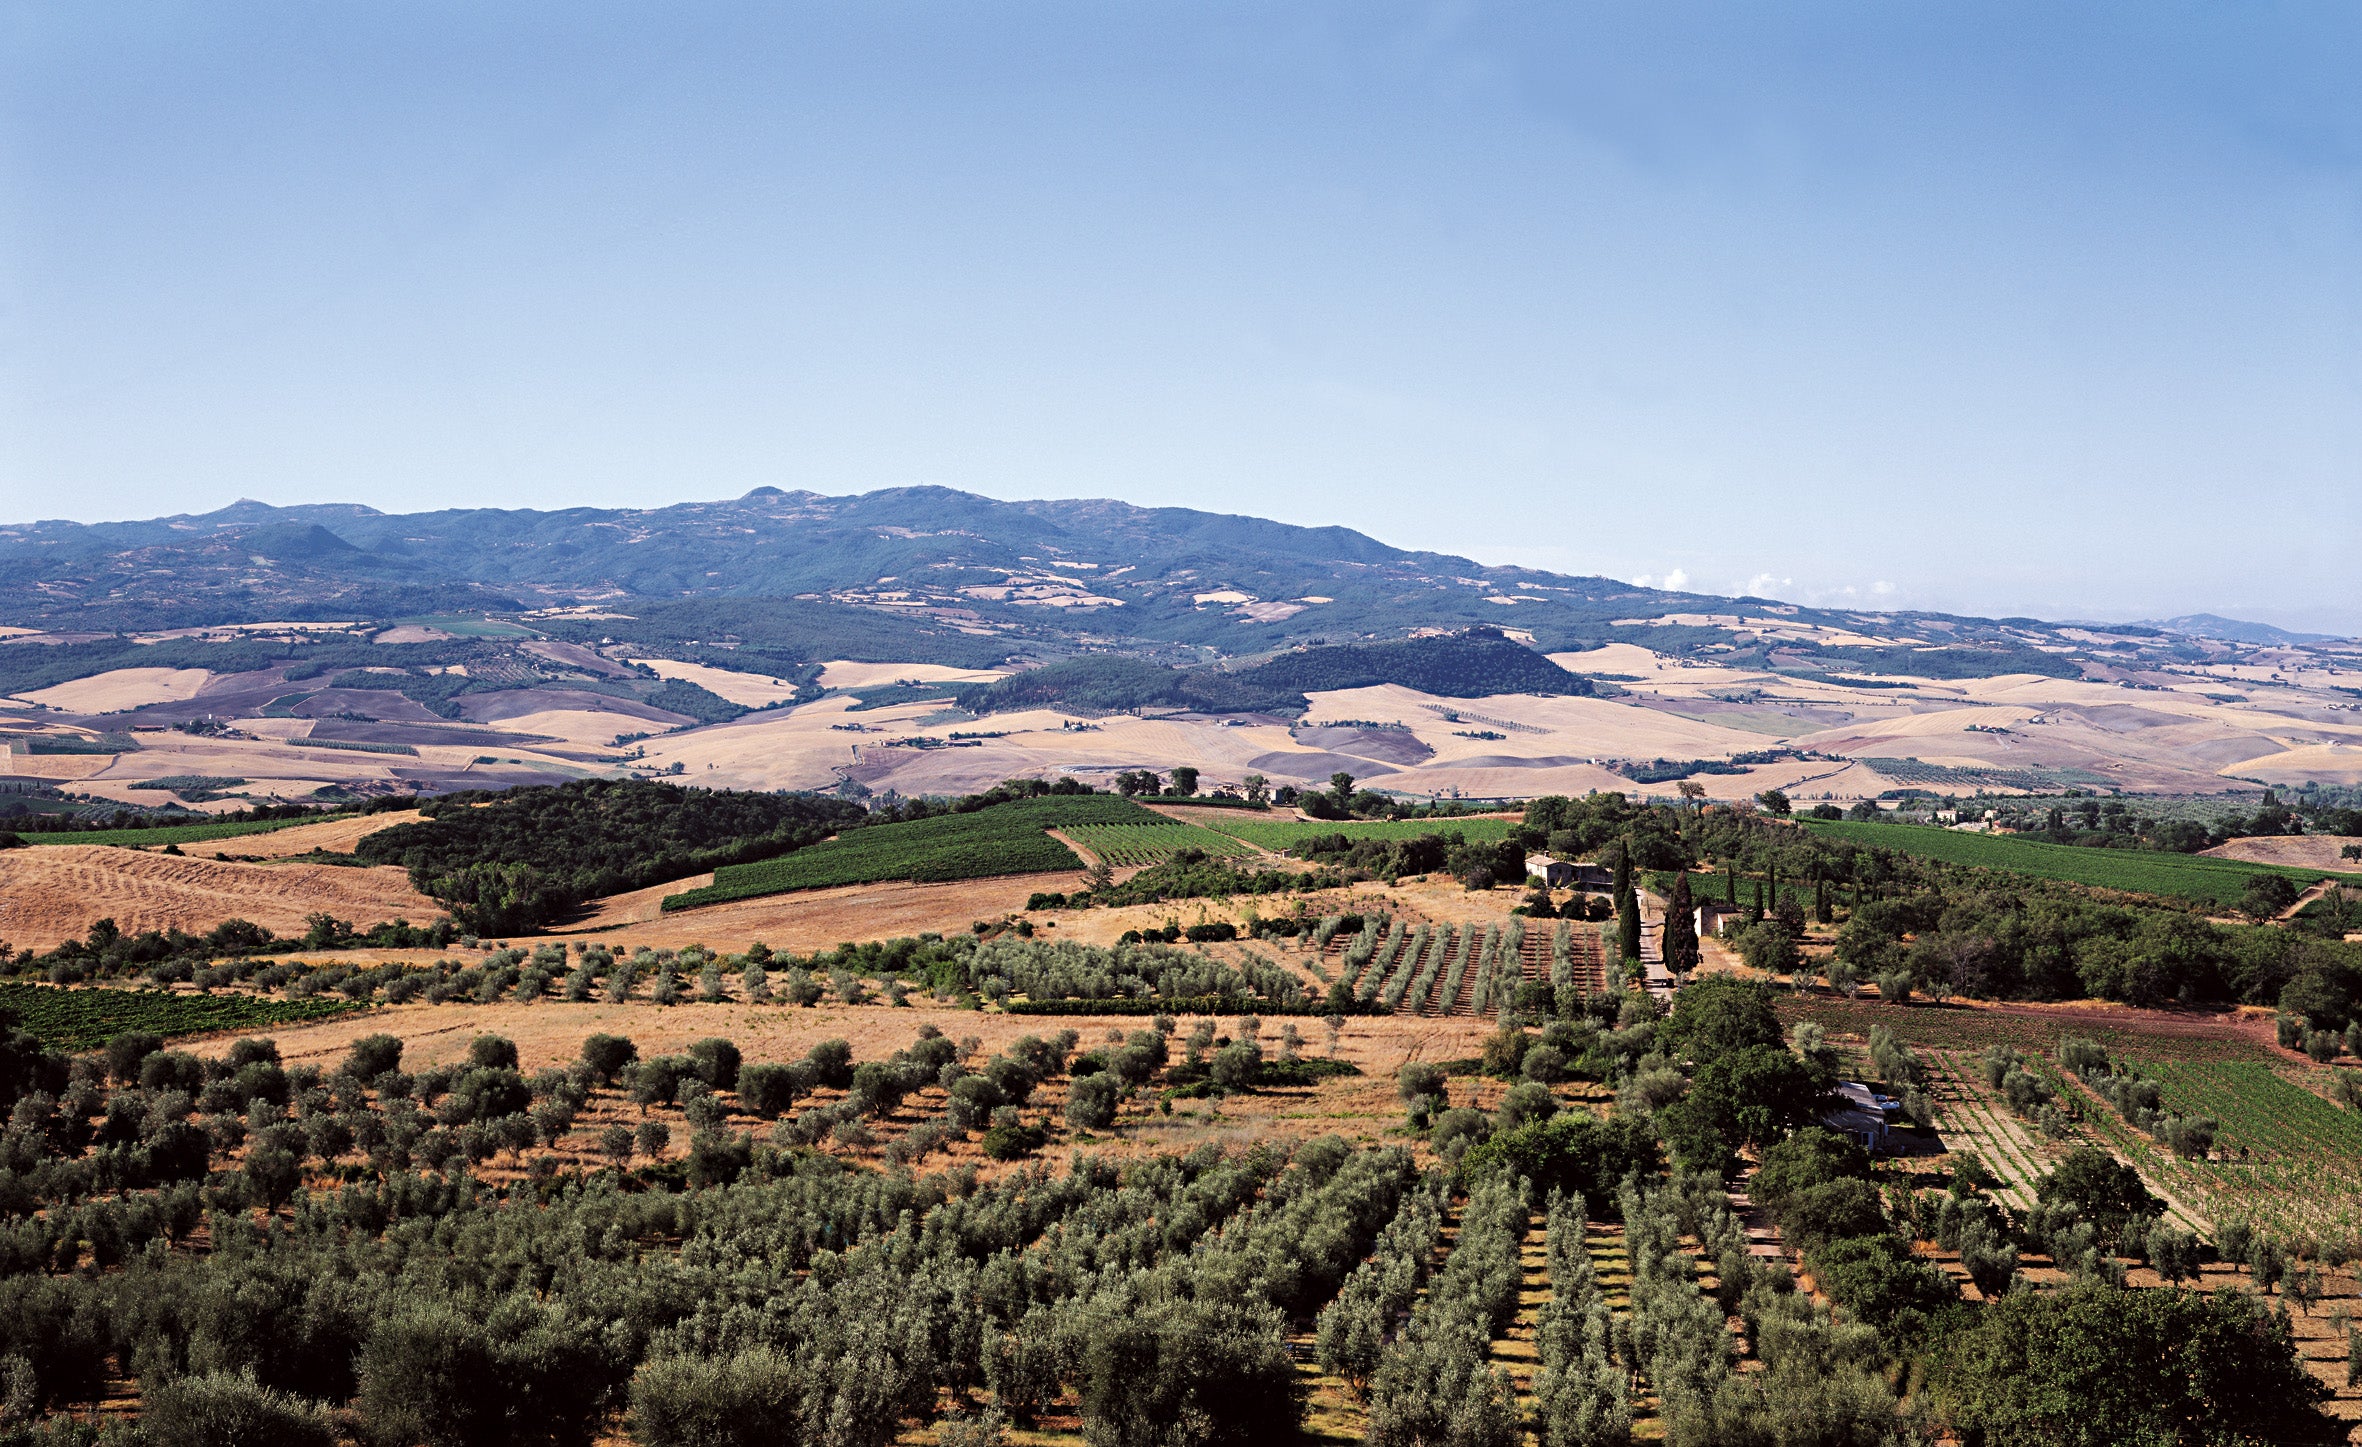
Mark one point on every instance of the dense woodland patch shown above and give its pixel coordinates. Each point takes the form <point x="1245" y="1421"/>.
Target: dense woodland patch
<point x="1473" y="664"/>
<point x="508" y="862"/>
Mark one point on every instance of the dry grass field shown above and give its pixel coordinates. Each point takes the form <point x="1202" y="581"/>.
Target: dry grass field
<point x="337" y="836"/>
<point x="57" y="892"/>
<point x="551" y="1032"/>
<point x="2305" y="851"/>
<point x="2185" y="731"/>
<point x="122" y="688"/>
<point x="814" y="918"/>
<point x="752" y="690"/>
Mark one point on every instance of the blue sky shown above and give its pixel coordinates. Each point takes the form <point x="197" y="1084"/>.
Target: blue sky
<point x="2003" y="309"/>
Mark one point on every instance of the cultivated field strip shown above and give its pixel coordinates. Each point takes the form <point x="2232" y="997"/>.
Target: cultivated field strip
<point x="1010" y="838"/>
<point x="1466" y="969"/>
<point x="1973" y="1119"/>
<point x="2284" y="1158"/>
<point x="1283" y="834"/>
<point x="2211" y="881"/>
<point x="1126" y="846"/>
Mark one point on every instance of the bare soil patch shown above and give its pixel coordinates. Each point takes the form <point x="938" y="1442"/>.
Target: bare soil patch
<point x="55" y="893"/>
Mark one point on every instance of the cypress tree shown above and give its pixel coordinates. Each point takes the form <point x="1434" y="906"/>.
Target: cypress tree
<point x="1681" y="927"/>
<point x="1628" y="930"/>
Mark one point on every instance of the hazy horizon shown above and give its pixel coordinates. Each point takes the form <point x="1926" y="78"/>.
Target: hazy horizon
<point x="1672" y="584"/>
<point x="1994" y="311"/>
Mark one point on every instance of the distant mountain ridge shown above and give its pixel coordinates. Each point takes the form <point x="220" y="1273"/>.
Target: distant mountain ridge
<point x="928" y="573"/>
<point x="2234" y="630"/>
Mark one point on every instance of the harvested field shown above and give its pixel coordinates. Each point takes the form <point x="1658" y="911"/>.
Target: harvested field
<point x="754" y="690"/>
<point x="816" y="918"/>
<point x="55" y="894"/>
<point x="517" y="706"/>
<point x="57" y="768"/>
<point x="2299" y="851"/>
<point x="345" y="730"/>
<point x="337" y="836"/>
<point x="843" y="674"/>
<point x="822" y="918"/>
<point x="120" y="689"/>
<point x="2336" y="763"/>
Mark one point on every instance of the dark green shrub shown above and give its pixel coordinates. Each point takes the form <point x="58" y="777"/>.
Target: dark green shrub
<point x="750" y="1399"/>
<point x="1091" y="1100"/>
<point x="221" y="1409"/>
<point x="492" y="1052"/>
<point x="832" y="1064"/>
<point x="717" y="1063"/>
<point x="608" y="1055"/>
<point x="770" y="1090"/>
<point x="127" y="1051"/>
<point x="1014" y="1142"/>
<point x="1574" y="1151"/>
<point x="374" y="1055"/>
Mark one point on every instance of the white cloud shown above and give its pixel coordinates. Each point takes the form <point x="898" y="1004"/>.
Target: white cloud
<point x="1764" y="585"/>
<point x="1677" y="580"/>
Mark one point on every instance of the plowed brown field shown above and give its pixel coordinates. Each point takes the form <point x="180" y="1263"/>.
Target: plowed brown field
<point x="57" y="892"/>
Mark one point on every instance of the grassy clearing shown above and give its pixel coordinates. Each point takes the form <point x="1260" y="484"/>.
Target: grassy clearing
<point x="87" y="1019"/>
<point x="1122" y="845"/>
<point x="175" y="833"/>
<point x="1287" y="833"/>
<point x="1004" y="839"/>
<point x="2217" y="883"/>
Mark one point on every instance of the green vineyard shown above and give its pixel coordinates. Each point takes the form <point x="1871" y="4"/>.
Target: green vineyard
<point x="1287" y="833"/>
<point x="2285" y="1156"/>
<point x="2215" y="882"/>
<point x="86" y="1019"/>
<point x="174" y="833"/>
<point x="1125" y="845"/>
<point x="1004" y="839"/>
